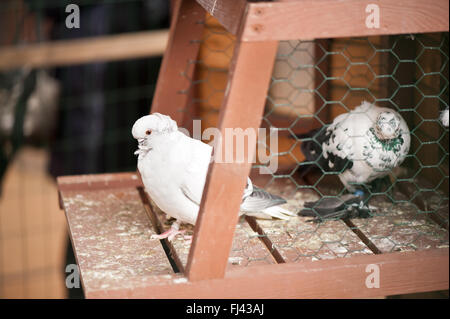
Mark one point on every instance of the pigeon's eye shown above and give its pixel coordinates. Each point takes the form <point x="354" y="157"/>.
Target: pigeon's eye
<point x="148" y="132"/>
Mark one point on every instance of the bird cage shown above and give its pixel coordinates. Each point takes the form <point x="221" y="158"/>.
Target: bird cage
<point x="288" y="67"/>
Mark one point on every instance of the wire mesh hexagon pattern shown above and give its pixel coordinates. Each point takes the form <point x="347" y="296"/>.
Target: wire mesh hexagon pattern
<point x="313" y="83"/>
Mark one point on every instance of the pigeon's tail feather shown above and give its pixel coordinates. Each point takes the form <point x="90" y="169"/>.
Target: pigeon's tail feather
<point x="263" y="204"/>
<point x="278" y="212"/>
<point x="259" y="200"/>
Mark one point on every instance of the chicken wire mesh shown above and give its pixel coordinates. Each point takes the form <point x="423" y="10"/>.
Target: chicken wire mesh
<point x="312" y="83"/>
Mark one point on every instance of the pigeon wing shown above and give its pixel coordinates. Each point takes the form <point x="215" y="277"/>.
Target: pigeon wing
<point x="335" y="156"/>
<point x="198" y="158"/>
<point x="259" y="200"/>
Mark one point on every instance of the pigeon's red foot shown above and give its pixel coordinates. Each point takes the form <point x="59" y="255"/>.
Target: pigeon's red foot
<point x="188" y="239"/>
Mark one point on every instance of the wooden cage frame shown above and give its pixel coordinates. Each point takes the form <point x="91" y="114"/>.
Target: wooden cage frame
<point x="257" y="31"/>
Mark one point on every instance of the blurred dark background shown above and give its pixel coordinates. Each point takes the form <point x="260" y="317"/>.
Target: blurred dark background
<point x="84" y="128"/>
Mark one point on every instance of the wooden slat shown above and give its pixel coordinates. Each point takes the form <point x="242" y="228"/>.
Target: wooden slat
<point x="178" y="65"/>
<point x="99" y="181"/>
<point x="299" y="239"/>
<point x="243" y="106"/>
<point x="400" y="273"/>
<point x="247" y="249"/>
<point x="104" y="48"/>
<point x="229" y="13"/>
<point x="315" y="19"/>
<point x="399" y="227"/>
<point x="432" y="203"/>
<point x="110" y="233"/>
<point x="159" y="225"/>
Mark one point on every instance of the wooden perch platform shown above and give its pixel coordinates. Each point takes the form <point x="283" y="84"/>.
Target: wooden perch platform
<point x="111" y="221"/>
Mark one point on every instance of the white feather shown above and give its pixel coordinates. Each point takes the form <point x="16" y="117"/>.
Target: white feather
<point x="444" y="117"/>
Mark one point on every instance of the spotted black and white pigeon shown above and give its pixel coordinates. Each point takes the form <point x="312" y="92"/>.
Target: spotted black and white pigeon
<point x="360" y="146"/>
<point x="173" y="168"/>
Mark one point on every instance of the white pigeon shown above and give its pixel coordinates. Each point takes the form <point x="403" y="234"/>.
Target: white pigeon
<point x="173" y="168"/>
<point x="361" y="145"/>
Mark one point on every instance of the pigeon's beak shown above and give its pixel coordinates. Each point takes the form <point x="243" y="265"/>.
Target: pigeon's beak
<point x="140" y="146"/>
